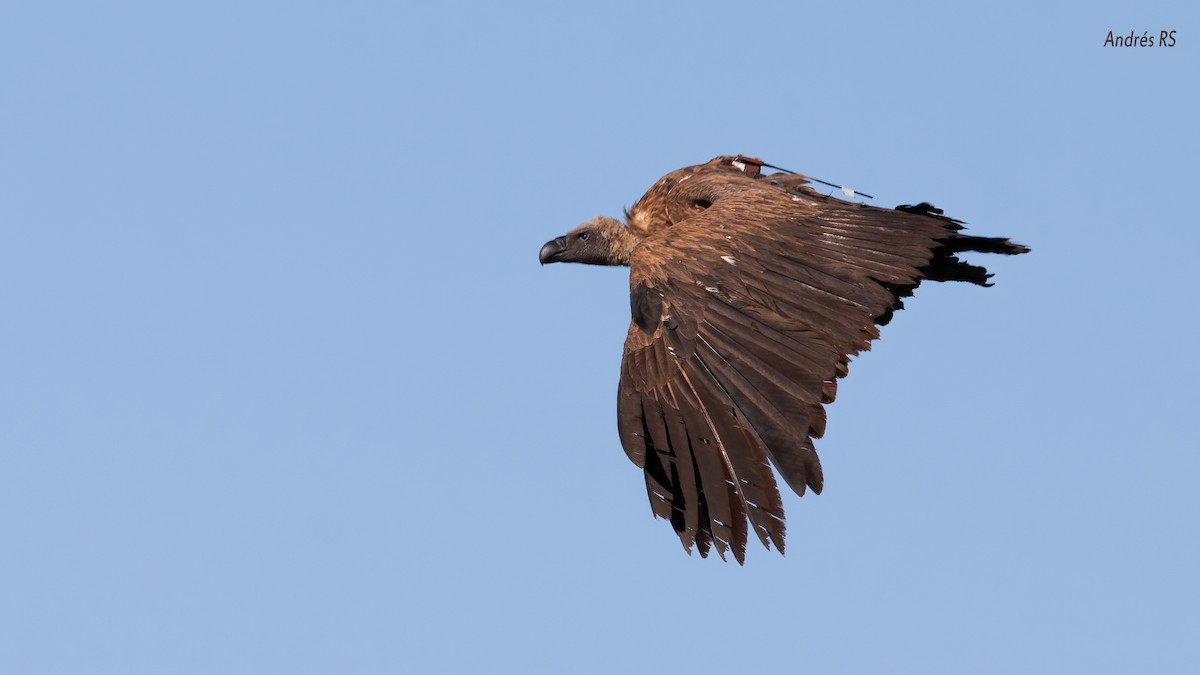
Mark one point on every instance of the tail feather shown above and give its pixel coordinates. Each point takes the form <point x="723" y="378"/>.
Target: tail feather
<point x="945" y="266"/>
<point x="960" y="243"/>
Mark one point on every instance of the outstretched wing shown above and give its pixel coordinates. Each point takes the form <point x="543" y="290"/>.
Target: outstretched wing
<point x="744" y="316"/>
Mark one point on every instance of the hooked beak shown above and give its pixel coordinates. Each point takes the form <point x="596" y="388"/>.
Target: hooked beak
<point x="551" y="250"/>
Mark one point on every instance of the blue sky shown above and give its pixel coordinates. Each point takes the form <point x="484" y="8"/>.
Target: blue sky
<point x="284" y="390"/>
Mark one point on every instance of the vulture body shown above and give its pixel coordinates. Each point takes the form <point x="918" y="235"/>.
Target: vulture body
<point x="749" y="293"/>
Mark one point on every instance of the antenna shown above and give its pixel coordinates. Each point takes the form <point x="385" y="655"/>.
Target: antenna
<point x="845" y="190"/>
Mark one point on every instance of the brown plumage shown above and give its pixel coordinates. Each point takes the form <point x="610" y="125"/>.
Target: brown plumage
<point x="749" y="293"/>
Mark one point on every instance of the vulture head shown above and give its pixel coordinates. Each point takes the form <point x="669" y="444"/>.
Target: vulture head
<point x="599" y="241"/>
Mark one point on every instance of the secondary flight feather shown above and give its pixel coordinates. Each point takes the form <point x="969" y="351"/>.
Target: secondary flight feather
<point x="749" y="293"/>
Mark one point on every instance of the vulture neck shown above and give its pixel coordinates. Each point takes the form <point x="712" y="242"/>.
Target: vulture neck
<point x="621" y="244"/>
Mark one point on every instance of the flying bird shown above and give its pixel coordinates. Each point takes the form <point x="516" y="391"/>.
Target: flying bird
<point x="749" y="293"/>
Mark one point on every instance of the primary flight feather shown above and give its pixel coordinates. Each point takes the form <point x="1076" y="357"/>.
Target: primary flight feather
<point x="749" y="293"/>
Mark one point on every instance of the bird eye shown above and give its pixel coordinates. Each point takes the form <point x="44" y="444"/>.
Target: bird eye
<point x="583" y="236"/>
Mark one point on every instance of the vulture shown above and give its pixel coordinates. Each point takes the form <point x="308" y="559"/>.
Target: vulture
<point x="749" y="293"/>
